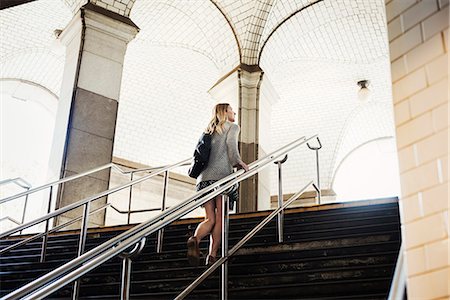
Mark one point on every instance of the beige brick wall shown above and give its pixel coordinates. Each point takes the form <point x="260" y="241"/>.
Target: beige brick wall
<point x="418" y="38"/>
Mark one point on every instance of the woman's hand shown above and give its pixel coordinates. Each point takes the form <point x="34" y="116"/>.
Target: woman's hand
<point x="244" y="166"/>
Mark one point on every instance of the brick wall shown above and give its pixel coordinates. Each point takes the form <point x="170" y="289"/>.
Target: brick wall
<point x="418" y="37"/>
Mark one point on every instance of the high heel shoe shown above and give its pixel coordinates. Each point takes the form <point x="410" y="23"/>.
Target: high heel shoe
<point x="193" y="251"/>
<point x="210" y="260"/>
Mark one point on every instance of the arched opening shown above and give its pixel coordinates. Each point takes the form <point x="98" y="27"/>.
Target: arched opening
<point x="373" y="169"/>
<point x="27" y="121"/>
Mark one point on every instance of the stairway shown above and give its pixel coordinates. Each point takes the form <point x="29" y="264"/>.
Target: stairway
<point x="335" y="252"/>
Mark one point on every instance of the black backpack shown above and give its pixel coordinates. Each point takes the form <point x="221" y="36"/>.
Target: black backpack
<point x="201" y="155"/>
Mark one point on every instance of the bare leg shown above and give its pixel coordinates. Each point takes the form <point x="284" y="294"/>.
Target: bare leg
<point x="216" y="234"/>
<point x="205" y="227"/>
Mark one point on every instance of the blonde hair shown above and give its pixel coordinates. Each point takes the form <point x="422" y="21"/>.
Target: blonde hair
<point x="219" y="117"/>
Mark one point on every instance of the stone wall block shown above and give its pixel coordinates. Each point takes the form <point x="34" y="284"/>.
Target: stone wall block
<point x="409" y="85"/>
<point x="407" y="158"/>
<point x="80" y="189"/>
<point x="437" y="255"/>
<point x="414" y="130"/>
<point x="441" y="119"/>
<point x="430" y="285"/>
<point x="95" y="114"/>
<point x="398" y="69"/>
<point x="432" y="147"/>
<point x="402" y="113"/>
<point x="418" y="12"/>
<point x="436" y="23"/>
<point x="416" y="261"/>
<point x="87" y="151"/>
<point x="395" y="28"/>
<point x="437" y="69"/>
<point x="395" y="7"/>
<point x="426" y="230"/>
<point x="435" y="199"/>
<point x="100" y="75"/>
<point x="429" y="98"/>
<point x="411" y="208"/>
<point x="104" y="45"/>
<point x="406" y="42"/>
<point x="424" y="53"/>
<point x="420" y="178"/>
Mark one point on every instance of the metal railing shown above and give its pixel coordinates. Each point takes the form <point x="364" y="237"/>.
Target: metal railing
<point x="317" y="186"/>
<point x="56" y="183"/>
<point x="398" y="285"/>
<point x="7" y="218"/>
<point x="86" y="203"/>
<point x="56" y="228"/>
<point x="23" y="184"/>
<point x="73" y="270"/>
<point x="226" y="254"/>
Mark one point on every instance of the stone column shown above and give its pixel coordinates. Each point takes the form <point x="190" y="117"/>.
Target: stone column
<point x="249" y="80"/>
<point x="96" y="41"/>
<point x="244" y="88"/>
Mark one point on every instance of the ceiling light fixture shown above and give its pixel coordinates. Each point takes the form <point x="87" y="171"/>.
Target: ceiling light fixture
<point x="364" y="92"/>
<point x="56" y="46"/>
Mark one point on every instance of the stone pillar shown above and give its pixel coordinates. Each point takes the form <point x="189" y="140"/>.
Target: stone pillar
<point x="96" y="41"/>
<point x="245" y="90"/>
<point x="249" y="80"/>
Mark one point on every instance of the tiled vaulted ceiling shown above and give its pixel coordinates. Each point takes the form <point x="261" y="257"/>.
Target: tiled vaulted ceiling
<point x="312" y="51"/>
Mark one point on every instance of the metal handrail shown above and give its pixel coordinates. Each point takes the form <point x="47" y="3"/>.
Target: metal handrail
<point x="79" y="266"/>
<point x="73" y="177"/>
<point x="239" y="244"/>
<point x="397" y="289"/>
<point x="76" y="176"/>
<point x="316" y="149"/>
<point x="23" y="184"/>
<point x="280" y="198"/>
<point x="7" y="218"/>
<point x="56" y="228"/>
<point x="85" y="216"/>
<point x="82" y="202"/>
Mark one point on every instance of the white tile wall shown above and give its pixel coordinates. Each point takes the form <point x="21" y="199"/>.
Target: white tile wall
<point x="313" y="60"/>
<point x="122" y="7"/>
<point x="26" y="36"/>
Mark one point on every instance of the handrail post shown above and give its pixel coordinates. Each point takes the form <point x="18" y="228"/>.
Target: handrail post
<point x="125" y="279"/>
<point x="318" y="176"/>
<point x="129" y="200"/>
<point x="316" y="149"/>
<point x="126" y="268"/>
<point x="82" y="244"/>
<point x="84" y="227"/>
<point x="45" y="237"/>
<point x="24" y="208"/>
<point x="225" y="227"/>
<point x="163" y="208"/>
<point x="280" y="217"/>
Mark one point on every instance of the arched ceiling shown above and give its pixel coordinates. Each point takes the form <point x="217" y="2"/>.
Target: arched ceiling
<point x="314" y="60"/>
<point x="312" y="51"/>
<point x="122" y="7"/>
<point x="26" y="39"/>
